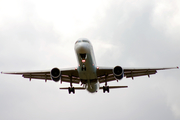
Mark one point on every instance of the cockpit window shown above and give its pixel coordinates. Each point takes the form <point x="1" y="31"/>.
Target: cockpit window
<point x="78" y="41"/>
<point x="82" y="41"/>
<point x="85" y="41"/>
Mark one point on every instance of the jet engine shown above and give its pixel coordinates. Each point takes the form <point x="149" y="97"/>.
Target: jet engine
<point x="55" y="74"/>
<point x="118" y="72"/>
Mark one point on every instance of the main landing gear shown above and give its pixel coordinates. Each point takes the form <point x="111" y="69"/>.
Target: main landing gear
<point x="105" y="88"/>
<point x="71" y="89"/>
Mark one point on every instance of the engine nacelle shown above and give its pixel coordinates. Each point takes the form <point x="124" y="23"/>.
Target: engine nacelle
<point x="118" y="72"/>
<point x="55" y="74"/>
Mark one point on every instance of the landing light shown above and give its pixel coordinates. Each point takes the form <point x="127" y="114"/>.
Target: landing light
<point x="83" y="61"/>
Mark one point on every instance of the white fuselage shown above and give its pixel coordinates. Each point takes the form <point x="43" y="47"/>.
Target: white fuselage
<point x="86" y="64"/>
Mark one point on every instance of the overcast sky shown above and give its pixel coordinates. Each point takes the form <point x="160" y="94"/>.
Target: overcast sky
<point x="40" y="35"/>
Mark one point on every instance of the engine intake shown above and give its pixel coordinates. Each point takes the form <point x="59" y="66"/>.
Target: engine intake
<point x="118" y="72"/>
<point x="55" y="74"/>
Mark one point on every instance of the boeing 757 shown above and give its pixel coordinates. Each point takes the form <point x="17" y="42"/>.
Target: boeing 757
<point x="87" y="72"/>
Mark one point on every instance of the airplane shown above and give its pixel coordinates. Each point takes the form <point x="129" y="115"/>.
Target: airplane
<point x="88" y="73"/>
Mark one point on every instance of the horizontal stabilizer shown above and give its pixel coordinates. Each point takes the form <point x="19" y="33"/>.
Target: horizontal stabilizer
<point x="76" y="88"/>
<point x="113" y="87"/>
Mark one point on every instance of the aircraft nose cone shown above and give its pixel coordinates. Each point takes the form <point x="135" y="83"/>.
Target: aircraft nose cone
<point x="82" y="48"/>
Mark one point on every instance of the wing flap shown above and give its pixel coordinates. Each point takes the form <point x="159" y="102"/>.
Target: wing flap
<point x="104" y="78"/>
<point x="44" y="77"/>
<point x="66" y="78"/>
<point x="139" y="73"/>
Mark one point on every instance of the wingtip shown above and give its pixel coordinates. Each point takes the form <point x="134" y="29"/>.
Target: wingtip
<point x="177" y="67"/>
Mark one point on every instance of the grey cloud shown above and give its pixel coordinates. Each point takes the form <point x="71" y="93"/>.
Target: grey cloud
<point x="144" y="45"/>
<point x="31" y="46"/>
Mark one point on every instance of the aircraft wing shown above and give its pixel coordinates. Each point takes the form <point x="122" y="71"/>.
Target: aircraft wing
<point x="106" y="74"/>
<point x="45" y="75"/>
<point x="103" y="74"/>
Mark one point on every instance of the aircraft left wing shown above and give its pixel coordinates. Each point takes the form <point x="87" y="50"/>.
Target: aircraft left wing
<point x="106" y="74"/>
<point x="45" y="75"/>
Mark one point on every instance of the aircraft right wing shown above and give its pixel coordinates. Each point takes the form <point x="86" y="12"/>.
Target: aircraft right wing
<point x="106" y="74"/>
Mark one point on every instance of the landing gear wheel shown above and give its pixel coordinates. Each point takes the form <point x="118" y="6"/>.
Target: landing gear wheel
<point x="71" y="89"/>
<point x="105" y="88"/>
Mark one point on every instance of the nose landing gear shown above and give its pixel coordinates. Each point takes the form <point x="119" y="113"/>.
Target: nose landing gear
<point x="83" y="68"/>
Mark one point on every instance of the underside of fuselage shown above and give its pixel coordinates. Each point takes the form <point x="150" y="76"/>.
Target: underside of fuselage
<point x="86" y="65"/>
<point x="92" y="86"/>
